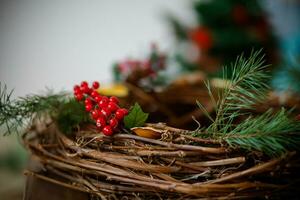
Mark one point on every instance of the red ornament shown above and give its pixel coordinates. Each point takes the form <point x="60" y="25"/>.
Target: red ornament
<point x="240" y="14"/>
<point x="261" y="29"/>
<point x="202" y="37"/>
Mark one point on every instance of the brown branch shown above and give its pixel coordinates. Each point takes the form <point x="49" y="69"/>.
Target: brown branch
<point x="211" y="150"/>
<point x="121" y="162"/>
<point x="227" y="161"/>
<point x="131" y="165"/>
<point x="98" y="169"/>
<point x="165" y="153"/>
<point x="106" y="187"/>
<point x="186" y="165"/>
<point x="148" y="98"/>
<point x="256" y="169"/>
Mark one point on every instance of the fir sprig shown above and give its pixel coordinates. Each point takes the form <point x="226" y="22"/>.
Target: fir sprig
<point x="70" y="115"/>
<point x="272" y="133"/>
<point x="15" y="114"/>
<point x="247" y="86"/>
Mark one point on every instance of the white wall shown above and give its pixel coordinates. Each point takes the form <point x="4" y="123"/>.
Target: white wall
<point x="59" y="43"/>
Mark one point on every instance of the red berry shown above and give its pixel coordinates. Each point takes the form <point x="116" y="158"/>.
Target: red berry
<point x="95" y="114"/>
<point x="100" y="122"/>
<point x="84" y="84"/>
<point x="98" y="98"/>
<point x="105" y="98"/>
<point x="94" y="93"/>
<point x="76" y="87"/>
<point x="107" y="130"/>
<point x="85" y="89"/>
<point x="96" y="85"/>
<point x="104" y="102"/>
<point x="79" y="96"/>
<point x="90" y="90"/>
<point x="114" y="99"/>
<point x="77" y="91"/>
<point x="105" y="112"/>
<point x="88" y="107"/>
<point x="119" y="114"/>
<point x="113" y="122"/>
<point x="112" y="106"/>
<point x="88" y="101"/>
<point x="125" y="111"/>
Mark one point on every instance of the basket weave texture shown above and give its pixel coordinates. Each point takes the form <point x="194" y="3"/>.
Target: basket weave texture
<point x="176" y="166"/>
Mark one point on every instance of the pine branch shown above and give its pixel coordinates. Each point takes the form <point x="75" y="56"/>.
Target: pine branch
<point x="14" y="114"/>
<point x="271" y="133"/>
<point x="247" y="86"/>
<point x="70" y="115"/>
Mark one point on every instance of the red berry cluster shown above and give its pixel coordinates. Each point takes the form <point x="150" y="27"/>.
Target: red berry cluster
<point x="105" y="111"/>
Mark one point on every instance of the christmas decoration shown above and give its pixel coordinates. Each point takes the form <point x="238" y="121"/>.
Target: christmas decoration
<point x="105" y="111"/>
<point x="136" y="117"/>
<point x="224" y="29"/>
<point x="240" y="153"/>
<point x="143" y="73"/>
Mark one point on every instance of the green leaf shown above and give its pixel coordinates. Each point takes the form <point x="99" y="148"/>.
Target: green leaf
<point x="136" y="117"/>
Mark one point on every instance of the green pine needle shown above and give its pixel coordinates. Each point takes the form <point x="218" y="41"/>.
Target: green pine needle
<point x="70" y="115"/>
<point x="247" y="86"/>
<point x="15" y="114"/>
<point x="271" y="133"/>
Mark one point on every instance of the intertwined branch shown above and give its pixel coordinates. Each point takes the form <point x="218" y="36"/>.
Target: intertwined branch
<point x="140" y="168"/>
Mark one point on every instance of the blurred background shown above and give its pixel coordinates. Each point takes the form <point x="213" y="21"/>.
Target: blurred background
<point x="58" y="43"/>
<point x="62" y="42"/>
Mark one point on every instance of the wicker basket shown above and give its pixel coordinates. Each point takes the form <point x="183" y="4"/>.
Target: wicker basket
<point x="176" y="166"/>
